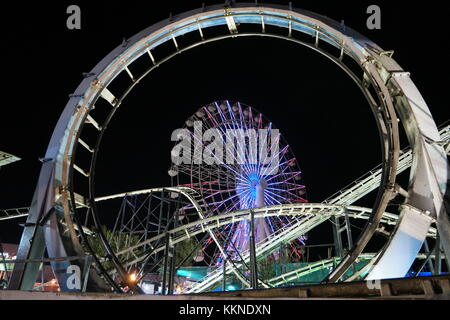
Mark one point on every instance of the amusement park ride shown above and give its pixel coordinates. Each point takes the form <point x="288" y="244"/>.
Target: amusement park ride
<point x="229" y="218"/>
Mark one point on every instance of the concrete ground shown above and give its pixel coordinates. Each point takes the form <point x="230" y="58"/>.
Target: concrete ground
<point x="433" y="288"/>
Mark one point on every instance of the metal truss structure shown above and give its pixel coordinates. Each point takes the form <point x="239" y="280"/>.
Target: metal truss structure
<point x="336" y="206"/>
<point x="65" y="193"/>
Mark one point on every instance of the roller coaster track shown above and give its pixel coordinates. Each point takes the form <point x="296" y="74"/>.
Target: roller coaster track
<point x="310" y="268"/>
<point x="317" y="266"/>
<point x="310" y="215"/>
<point x="371" y="180"/>
<point x="14" y="213"/>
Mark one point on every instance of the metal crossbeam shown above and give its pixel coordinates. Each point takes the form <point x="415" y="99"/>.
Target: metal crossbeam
<point x="13" y="213"/>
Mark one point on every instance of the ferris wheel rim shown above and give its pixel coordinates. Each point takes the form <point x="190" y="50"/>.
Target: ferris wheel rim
<point x="228" y="186"/>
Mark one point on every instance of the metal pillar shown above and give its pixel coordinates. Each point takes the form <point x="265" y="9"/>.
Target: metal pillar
<point x="32" y="243"/>
<point x="447" y="261"/>
<point x="427" y="250"/>
<point x="427" y="260"/>
<point x="437" y="255"/>
<point x="171" y="276"/>
<point x="337" y="237"/>
<point x="87" y="266"/>
<point x="337" y="234"/>
<point x="224" y="276"/>
<point x="42" y="276"/>
<point x="172" y="252"/>
<point x="349" y="230"/>
<point x="166" y="262"/>
<point x="4" y="262"/>
<point x="253" y="267"/>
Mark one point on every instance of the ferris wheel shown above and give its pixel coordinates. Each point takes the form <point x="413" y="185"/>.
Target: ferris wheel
<point x="252" y="166"/>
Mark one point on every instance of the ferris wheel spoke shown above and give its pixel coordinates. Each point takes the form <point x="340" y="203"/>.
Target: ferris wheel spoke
<point x="269" y="220"/>
<point x="224" y="202"/>
<point x="269" y="134"/>
<point x="272" y="195"/>
<point x="286" y="191"/>
<point x="210" y="116"/>
<point x="284" y="166"/>
<point x="283" y="172"/>
<point x="287" y="183"/>
<point x="246" y="200"/>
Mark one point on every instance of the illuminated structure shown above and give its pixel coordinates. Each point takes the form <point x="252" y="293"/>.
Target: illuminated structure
<point x="261" y="178"/>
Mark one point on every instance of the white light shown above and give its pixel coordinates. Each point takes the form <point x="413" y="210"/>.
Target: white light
<point x="148" y="288"/>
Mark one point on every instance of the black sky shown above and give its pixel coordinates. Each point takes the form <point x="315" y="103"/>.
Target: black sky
<point x="319" y="110"/>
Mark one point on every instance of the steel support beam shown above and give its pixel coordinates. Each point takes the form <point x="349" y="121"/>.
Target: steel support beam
<point x="253" y="261"/>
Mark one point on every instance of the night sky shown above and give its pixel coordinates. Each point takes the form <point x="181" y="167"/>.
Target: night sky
<point x="321" y="113"/>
